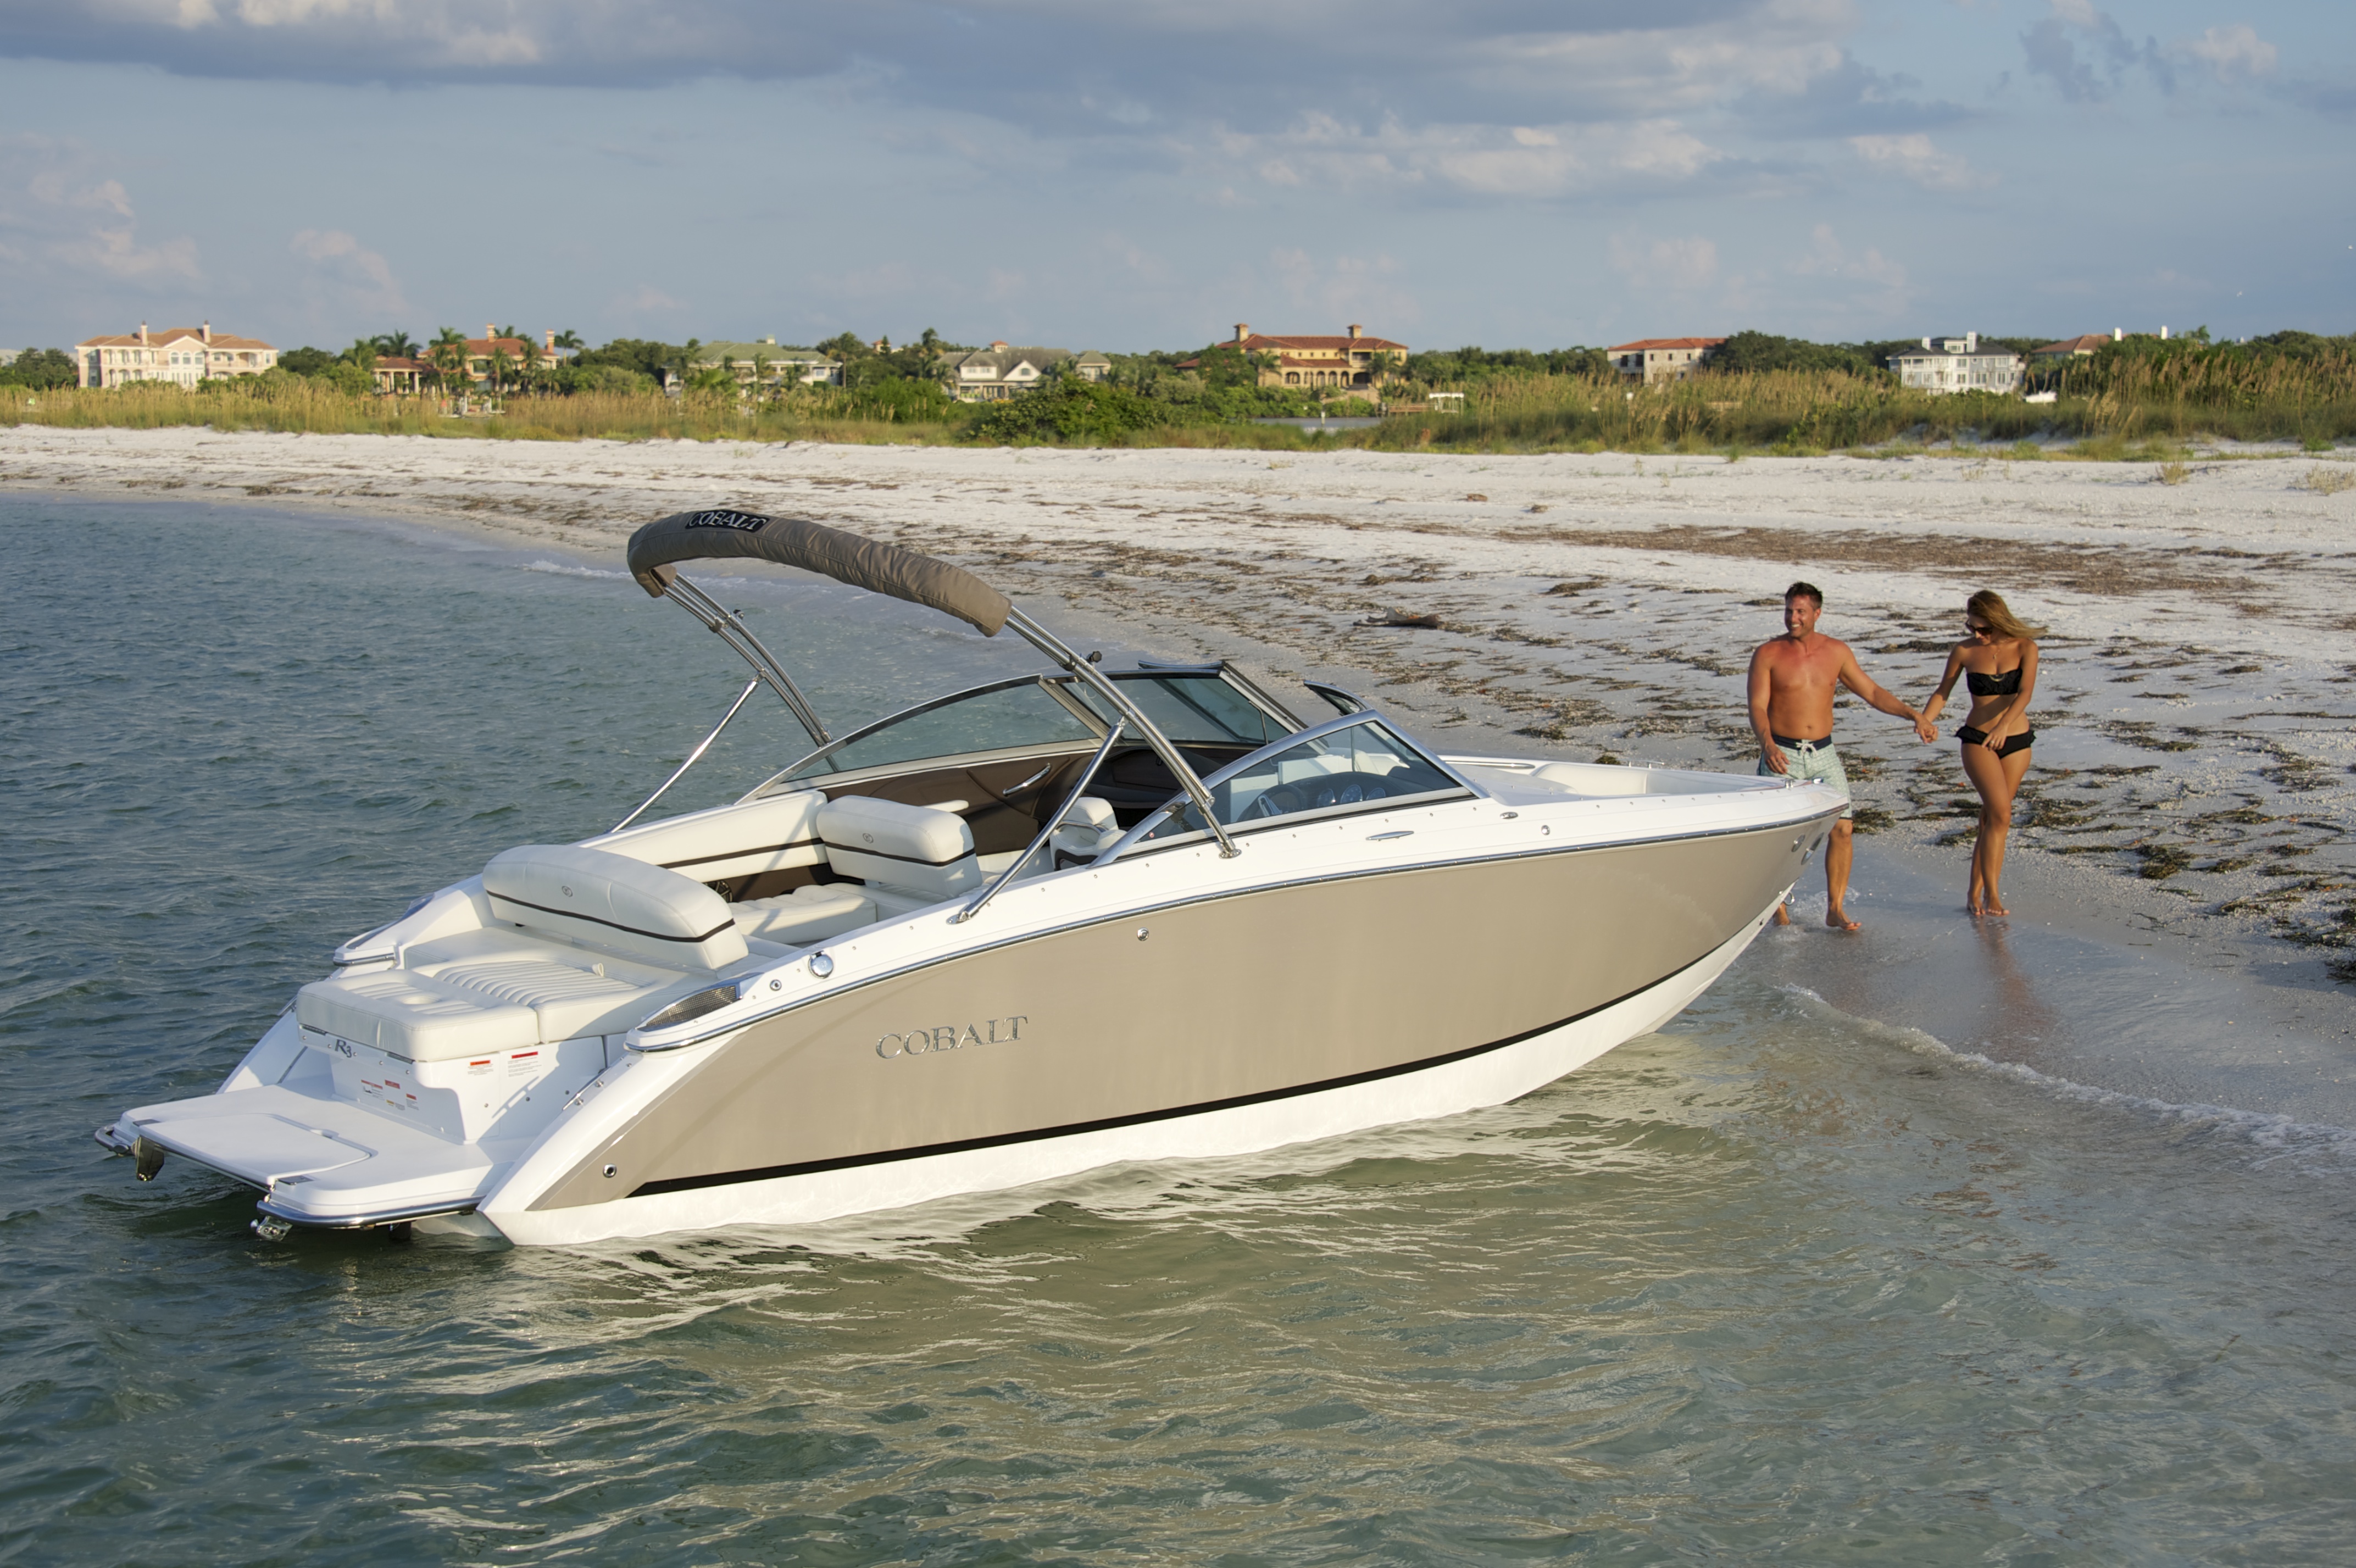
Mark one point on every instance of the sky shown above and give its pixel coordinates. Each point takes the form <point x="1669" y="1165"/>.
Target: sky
<point x="1148" y="173"/>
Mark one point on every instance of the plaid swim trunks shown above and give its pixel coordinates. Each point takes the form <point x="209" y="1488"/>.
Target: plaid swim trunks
<point x="1811" y="762"/>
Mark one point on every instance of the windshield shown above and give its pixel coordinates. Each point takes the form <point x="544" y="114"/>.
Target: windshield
<point x="1023" y="715"/>
<point x="1190" y="708"/>
<point x="1354" y="767"/>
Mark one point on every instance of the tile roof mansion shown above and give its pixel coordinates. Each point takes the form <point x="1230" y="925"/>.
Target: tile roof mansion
<point x="1355" y="360"/>
<point x="184" y="354"/>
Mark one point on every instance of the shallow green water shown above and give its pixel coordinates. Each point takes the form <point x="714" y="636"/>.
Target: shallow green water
<point x="1777" y="1285"/>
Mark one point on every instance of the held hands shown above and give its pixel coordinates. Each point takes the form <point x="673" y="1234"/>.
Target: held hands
<point x="1924" y="728"/>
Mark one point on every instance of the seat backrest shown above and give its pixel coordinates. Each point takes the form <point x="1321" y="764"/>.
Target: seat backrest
<point x="912" y="846"/>
<point x="728" y="841"/>
<point x="609" y="900"/>
<point x="1087" y="830"/>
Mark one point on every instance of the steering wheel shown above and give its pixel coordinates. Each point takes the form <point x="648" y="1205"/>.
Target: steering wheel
<point x="1282" y="801"/>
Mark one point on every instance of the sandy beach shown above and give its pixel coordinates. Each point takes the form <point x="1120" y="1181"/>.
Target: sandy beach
<point x="2195" y="785"/>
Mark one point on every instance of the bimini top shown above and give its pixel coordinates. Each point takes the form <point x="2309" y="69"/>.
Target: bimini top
<point x="655" y="548"/>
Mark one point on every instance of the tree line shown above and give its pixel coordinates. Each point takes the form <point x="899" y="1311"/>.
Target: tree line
<point x="914" y="381"/>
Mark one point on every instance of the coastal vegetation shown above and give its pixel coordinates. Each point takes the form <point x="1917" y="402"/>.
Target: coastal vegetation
<point x="2139" y="398"/>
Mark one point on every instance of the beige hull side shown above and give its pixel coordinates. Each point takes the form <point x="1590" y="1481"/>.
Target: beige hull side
<point x="1251" y="995"/>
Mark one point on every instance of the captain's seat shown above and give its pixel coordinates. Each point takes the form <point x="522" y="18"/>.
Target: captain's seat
<point x="1088" y="830"/>
<point x="909" y="855"/>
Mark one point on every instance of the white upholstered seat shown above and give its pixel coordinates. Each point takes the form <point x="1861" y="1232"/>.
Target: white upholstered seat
<point x="412" y="1016"/>
<point x="612" y="901"/>
<point x="728" y="841"/>
<point x="909" y="856"/>
<point x="806" y="914"/>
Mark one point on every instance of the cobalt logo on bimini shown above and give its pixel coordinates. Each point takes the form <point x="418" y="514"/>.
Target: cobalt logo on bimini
<point x="743" y="522"/>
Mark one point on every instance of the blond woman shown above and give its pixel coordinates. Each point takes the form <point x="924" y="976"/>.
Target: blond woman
<point x="1997" y="658"/>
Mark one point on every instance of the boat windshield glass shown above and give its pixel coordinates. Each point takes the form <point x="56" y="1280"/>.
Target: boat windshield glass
<point x="1353" y="767"/>
<point x="1190" y="708"/>
<point x="1023" y="715"/>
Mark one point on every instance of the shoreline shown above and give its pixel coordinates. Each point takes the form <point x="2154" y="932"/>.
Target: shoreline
<point x="2196" y="718"/>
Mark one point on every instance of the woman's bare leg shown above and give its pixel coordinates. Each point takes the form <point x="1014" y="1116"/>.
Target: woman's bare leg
<point x="1998" y="779"/>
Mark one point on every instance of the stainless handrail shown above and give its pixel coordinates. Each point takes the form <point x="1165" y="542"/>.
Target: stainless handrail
<point x="1054" y="647"/>
<point x="750" y="687"/>
<point x="1080" y="787"/>
<point x="731" y="630"/>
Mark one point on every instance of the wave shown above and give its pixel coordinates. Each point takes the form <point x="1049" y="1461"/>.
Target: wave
<point x="566" y="569"/>
<point x="2322" y="1148"/>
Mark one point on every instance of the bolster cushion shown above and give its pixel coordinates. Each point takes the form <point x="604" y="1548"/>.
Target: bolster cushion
<point x="912" y="846"/>
<point x="614" y="903"/>
<point x="728" y="841"/>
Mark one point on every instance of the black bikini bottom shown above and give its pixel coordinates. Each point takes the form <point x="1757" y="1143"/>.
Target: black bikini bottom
<point x="1970" y="736"/>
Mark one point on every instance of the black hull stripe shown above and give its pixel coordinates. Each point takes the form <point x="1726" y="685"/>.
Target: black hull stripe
<point x="614" y="925"/>
<point x="999" y="1140"/>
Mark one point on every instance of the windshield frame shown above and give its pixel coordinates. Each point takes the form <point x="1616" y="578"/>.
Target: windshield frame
<point x="1133" y="841"/>
<point x="1064" y="689"/>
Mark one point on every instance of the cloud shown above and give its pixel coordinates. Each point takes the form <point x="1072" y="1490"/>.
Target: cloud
<point x="342" y="265"/>
<point x="71" y="216"/>
<point x="1517" y="161"/>
<point x="1915" y="158"/>
<point x="2051" y="49"/>
<point x="1828" y="258"/>
<point x="1850" y="98"/>
<point x="644" y="300"/>
<point x="2235" y="54"/>
<point x="1679" y="266"/>
<point x="1344" y="289"/>
<point x="1075" y="67"/>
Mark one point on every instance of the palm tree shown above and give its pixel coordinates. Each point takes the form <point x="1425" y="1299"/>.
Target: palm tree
<point x="682" y="364"/>
<point x="531" y="359"/>
<point x="395" y="345"/>
<point x="448" y="355"/>
<point x="570" y="341"/>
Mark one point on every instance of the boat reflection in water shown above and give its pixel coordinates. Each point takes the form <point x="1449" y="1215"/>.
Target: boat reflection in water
<point x="1027" y="929"/>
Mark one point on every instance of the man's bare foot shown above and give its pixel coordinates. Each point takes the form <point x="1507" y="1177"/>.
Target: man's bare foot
<point x="1839" y="920"/>
<point x="1783" y="914"/>
<point x="1973" y="907"/>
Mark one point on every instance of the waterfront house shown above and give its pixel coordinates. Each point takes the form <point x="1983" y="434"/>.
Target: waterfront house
<point x="399" y="372"/>
<point x="2080" y="348"/>
<point x="184" y="355"/>
<point x="1652" y="359"/>
<point x="1353" y="361"/>
<point x="1958" y="364"/>
<point x="482" y="351"/>
<point x="761" y="362"/>
<point x="997" y="372"/>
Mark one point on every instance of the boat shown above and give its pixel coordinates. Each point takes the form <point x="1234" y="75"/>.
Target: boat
<point x="1030" y="928"/>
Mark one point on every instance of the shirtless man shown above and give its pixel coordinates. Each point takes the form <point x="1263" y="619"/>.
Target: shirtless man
<point x="1794" y="679"/>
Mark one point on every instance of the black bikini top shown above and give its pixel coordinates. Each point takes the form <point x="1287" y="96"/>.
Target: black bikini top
<point x="2002" y="684"/>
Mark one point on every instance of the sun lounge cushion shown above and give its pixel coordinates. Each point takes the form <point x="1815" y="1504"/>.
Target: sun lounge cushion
<point x="806" y="914"/>
<point x="910" y="848"/>
<point x="412" y="1017"/>
<point x="571" y="1002"/>
<point x="728" y="840"/>
<point x="613" y="901"/>
<point x="1586" y="778"/>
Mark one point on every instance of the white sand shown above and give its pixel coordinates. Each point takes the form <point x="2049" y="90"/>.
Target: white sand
<point x="2198" y="689"/>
